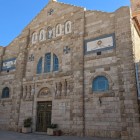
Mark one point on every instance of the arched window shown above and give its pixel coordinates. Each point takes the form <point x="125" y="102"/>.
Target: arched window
<point x="47" y="64"/>
<point x="68" y="27"/>
<point x="55" y="63"/>
<point x="51" y="63"/>
<point x="100" y="83"/>
<point x="39" y="66"/>
<point x="5" y="92"/>
<point x="42" y="35"/>
<point x="34" y="37"/>
<point x="58" y="30"/>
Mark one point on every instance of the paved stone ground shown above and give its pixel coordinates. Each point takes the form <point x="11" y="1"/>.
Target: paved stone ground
<point x="8" y="135"/>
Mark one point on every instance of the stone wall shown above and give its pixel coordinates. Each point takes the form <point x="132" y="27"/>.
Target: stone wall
<point x="127" y="80"/>
<point x="5" y="116"/>
<point x="7" y="79"/>
<point x="102" y="118"/>
<point x="102" y="110"/>
<point x="26" y="110"/>
<point x="67" y="101"/>
<point x="136" y="43"/>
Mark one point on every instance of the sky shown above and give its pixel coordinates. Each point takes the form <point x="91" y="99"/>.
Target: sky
<point x="16" y="14"/>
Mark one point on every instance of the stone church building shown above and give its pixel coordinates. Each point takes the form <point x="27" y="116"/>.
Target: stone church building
<point x="76" y="68"/>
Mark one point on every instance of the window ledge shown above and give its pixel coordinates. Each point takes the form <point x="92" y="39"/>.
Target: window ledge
<point x="103" y="94"/>
<point x="5" y="99"/>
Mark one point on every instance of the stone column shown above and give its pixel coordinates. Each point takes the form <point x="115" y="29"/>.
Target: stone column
<point x="59" y="89"/>
<point x="28" y="92"/>
<point x="32" y="91"/>
<point x="68" y="88"/>
<point x="24" y="92"/>
<point x="63" y="88"/>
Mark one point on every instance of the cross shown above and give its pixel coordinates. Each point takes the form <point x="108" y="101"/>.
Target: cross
<point x="53" y="0"/>
<point x="50" y="12"/>
<point x="66" y="50"/>
<point x="31" y="57"/>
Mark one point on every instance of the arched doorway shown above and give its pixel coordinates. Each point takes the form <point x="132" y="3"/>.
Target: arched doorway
<point x="44" y="111"/>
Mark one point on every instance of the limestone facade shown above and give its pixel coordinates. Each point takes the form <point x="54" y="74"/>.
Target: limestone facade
<point x="78" y="46"/>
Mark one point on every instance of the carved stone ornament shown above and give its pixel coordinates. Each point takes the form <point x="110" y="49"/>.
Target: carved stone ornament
<point x="44" y="92"/>
<point x="66" y="50"/>
<point x="50" y="12"/>
<point x="99" y="42"/>
<point x="31" y="57"/>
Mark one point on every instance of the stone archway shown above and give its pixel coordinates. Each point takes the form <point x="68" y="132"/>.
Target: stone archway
<point x="44" y="93"/>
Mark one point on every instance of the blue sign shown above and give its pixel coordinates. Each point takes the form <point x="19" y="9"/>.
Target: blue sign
<point x="9" y="64"/>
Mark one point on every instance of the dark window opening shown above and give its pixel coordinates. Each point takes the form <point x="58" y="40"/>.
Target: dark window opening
<point x="99" y="53"/>
<point x="5" y="92"/>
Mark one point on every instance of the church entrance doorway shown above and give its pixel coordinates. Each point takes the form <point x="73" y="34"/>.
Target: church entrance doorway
<point x="44" y="111"/>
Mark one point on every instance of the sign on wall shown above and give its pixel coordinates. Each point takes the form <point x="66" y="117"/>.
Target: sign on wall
<point x="9" y="64"/>
<point x="102" y="43"/>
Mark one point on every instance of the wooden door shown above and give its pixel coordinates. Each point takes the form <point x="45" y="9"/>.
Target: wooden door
<point x="44" y="110"/>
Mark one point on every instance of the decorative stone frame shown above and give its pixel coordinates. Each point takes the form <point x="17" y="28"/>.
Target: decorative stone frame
<point x="34" y="37"/>
<point x="70" y="28"/>
<point x="50" y="32"/>
<point x="105" y="48"/>
<point x="42" y="33"/>
<point x="102" y="93"/>
<point x="43" y="86"/>
<point x="58" y="28"/>
<point x="37" y="99"/>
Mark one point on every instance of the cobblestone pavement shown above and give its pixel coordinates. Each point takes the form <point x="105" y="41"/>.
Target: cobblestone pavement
<point x="8" y="135"/>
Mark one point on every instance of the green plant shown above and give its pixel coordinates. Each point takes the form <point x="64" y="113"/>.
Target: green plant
<point x="53" y="126"/>
<point x="28" y="122"/>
